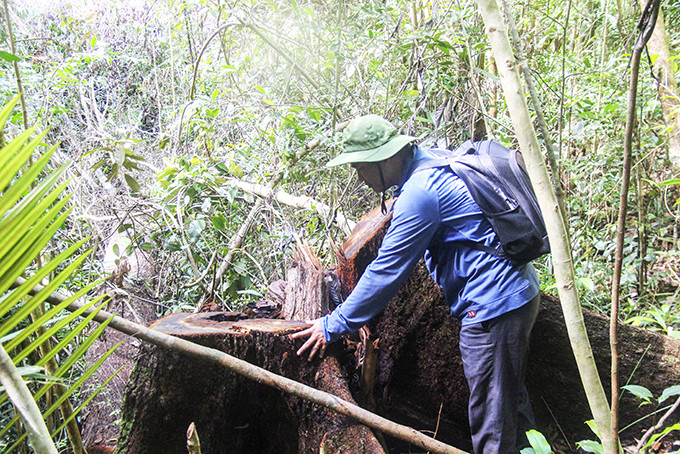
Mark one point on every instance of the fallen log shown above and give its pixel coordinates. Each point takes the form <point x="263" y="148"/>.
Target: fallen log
<point x="420" y="369"/>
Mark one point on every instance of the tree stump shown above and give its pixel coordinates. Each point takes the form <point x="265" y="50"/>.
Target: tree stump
<point x="168" y="391"/>
<point x="231" y="413"/>
<point x="418" y="379"/>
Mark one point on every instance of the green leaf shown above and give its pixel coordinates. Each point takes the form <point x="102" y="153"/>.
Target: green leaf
<point x="93" y="41"/>
<point x="41" y="296"/>
<point x="640" y="392"/>
<point x="587" y="283"/>
<point x="132" y="183"/>
<point x="669" y="182"/>
<point x="9" y="57"/>
<point x="489" y="75"/>
<point x="16" y="265"/>
<point x="538" y="442"/>
<point x="669" y="392"/>
<point x="196" y="228"/>
<point x="57" y="326"/>
<point x="591" y="424"/>
<point x="14" y="228"/>
<point x="590" y="446"/>
<point x="220" y="223"/>
<point x="14" y="156"/>
<point x="7" y="111"/>
<point x="146" y="246"/>
<point x="662" y="434"/>
<point x="119" y="154"/>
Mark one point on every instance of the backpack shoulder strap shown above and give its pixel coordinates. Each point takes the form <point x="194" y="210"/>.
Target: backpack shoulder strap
<point x="445" y="157"/>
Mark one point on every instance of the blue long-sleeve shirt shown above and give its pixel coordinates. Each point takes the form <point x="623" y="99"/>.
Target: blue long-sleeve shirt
<point x="435" y="216"/>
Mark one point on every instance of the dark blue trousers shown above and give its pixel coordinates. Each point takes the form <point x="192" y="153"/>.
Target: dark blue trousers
<point x="494" y="360"/>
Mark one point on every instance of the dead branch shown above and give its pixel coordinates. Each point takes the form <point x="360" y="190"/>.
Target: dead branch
<point x="304" y="202"/>
<point x="257" y="374"/>
<point x="657" y="427"/>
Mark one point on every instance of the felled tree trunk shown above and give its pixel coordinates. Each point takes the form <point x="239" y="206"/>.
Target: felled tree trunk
<point x="420" y="379"/>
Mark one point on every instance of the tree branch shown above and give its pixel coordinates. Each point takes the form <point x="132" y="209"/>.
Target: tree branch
<point x="237" y="240"/>
<point x="646" y="26"/>
<point x="295" y="201"/>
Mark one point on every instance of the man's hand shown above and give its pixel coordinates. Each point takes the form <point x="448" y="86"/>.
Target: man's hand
<point x="316" y="341"/>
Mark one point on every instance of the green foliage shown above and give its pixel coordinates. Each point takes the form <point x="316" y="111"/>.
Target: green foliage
<point x="539" y="445"/>
<point x="31" y="212"/>
<point x="591" y="445"/>
<point x="647" y="398"/>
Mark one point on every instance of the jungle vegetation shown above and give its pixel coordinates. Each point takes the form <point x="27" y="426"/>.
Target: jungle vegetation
<point x="194" y="133"/>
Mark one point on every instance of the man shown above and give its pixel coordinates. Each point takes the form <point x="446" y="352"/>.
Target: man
<point x="496" y="301"/>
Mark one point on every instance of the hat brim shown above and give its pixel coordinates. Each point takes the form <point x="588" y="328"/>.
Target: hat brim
<point x="381" y="153"/>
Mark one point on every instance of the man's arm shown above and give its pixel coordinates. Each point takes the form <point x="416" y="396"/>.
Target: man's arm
<point x="416" y="219"/>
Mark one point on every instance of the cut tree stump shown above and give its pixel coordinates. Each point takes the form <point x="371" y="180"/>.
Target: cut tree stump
<point x="168" y="391"/>
<point x="418" y="377"/>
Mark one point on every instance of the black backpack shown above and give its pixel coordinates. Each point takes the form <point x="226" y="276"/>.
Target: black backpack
<point x="499" y="183"/>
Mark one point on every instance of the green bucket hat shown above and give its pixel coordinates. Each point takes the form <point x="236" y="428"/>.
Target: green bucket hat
<point x="369" y="138"/>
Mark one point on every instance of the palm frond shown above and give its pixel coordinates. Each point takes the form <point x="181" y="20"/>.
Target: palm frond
<point x="32" y="209"/>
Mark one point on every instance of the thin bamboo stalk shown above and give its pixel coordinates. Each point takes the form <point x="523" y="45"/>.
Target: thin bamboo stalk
<point x="21" y="397"/>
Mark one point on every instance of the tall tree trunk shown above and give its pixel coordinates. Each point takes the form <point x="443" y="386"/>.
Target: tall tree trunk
<point x="667" y="86"/>
<point x="649" y="16"/>
<point x="561" y="252"/>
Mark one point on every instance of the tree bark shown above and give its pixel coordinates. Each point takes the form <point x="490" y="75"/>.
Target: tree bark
<point x="306" y="291"/>
<point x="99" y="418"/>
